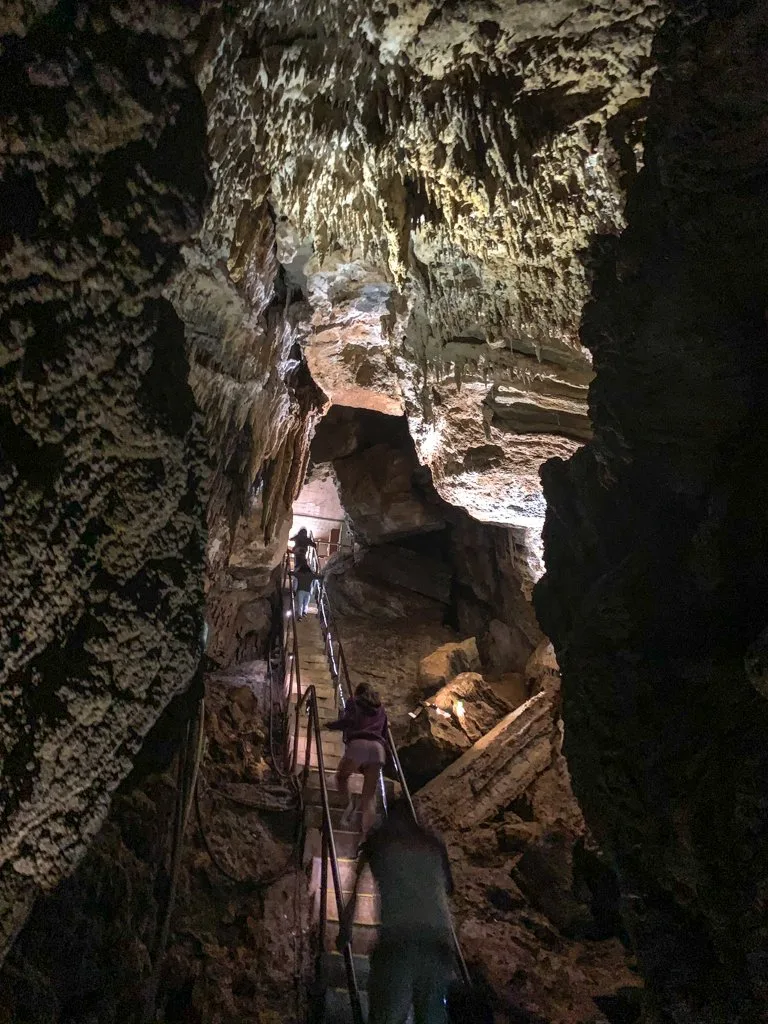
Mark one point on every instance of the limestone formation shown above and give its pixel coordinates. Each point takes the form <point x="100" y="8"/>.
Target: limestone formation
<point x="496" y="770"/>
<point x="88" y="948"/>
<point x="101" y="452"/>
<point x="376" y="489"/>
<point x="447" y="724"/>
<point x="439" y="174"/>
<point x="494" y="237"/>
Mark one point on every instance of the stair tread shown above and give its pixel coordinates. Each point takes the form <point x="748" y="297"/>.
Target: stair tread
<point x="363" y="938"/>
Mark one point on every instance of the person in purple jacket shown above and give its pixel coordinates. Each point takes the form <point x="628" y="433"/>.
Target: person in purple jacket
<point x="364" y="728"/>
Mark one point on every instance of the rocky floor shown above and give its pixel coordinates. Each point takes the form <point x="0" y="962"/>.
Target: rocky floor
<point x="387" y="655"/>
<point x="543" y="943"/>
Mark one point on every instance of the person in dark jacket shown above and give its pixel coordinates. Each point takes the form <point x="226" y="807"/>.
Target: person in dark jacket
<point x="413" y="962"/>
<point x="304" y="577"/>
<point x="364" y="728"/>
<point x="302" y="542"/>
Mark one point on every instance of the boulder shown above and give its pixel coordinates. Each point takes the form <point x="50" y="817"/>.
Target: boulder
<point x="457" y="716"/>
<point x="377" y="488"/>
<point x="473" y="704"/>
<point x="515" y="835"/>
<point x="352" y="593"/>
<point x="503" y="647"/>
<point x="541" y="669"/>
<point x="446" y="663"/>
<point x="544" y="874"/>
<point x="434" y="740"/>
<point x="495" y="771"/>
<point x="403" y="567"/>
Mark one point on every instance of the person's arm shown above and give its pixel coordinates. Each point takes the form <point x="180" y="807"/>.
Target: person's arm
<point x="344" y="718"/>
<point x="348" y="916"/>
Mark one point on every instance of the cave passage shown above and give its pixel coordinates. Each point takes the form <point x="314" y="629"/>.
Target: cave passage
<point x="476" y="294"/>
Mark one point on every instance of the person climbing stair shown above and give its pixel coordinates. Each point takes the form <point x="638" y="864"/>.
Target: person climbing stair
<point x="304" y="577"/>
<point x="363" y="724"/>
<point x="413" y="961"/>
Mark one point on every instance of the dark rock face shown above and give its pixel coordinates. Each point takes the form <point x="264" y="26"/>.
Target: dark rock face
<point x="100" y="446"/>
<point x="657" y="537"/>
<point x="88" y="949"/>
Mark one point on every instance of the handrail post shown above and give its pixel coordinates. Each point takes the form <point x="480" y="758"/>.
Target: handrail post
<point x="310" y="730"/>
<point x="320" y="972"/>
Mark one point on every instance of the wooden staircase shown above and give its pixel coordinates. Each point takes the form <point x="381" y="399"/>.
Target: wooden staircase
<point x="315" y="672"/>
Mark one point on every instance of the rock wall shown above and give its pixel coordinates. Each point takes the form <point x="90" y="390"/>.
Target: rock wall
<point x="101" y="451"/>
<point x="89" y="948"/>
<point x="416" y="554"/>
<point x="244" y="324"/>
<point x="657" y="538"/>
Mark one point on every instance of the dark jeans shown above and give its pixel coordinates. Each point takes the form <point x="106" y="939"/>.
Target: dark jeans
<point x="409" y="973"/>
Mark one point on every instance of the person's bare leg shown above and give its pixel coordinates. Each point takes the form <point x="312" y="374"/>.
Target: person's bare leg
<point x="343" y="772"/>
<point x="370" y="782"/>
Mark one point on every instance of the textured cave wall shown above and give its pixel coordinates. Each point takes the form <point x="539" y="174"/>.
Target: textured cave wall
<point x="102" y="177"/>
<point x="245" y="323"/>
<point x="445" y="166"/>
<point x="88" y="949"/>
<point x="657" y="538"/>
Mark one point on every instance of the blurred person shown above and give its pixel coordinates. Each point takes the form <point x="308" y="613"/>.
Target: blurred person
<point x="413" y="962"/>
<point x="305" y="578"/>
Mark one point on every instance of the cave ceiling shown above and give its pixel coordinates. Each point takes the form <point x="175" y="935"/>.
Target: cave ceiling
<point x="438" y="177"/>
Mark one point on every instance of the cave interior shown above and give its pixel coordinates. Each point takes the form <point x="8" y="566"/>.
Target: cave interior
<point x="476" y="291"/>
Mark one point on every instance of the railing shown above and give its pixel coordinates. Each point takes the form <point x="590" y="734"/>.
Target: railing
<point x="340" y="672"/>
<point x="308" y="701"/>
<point x="343" y="541"/>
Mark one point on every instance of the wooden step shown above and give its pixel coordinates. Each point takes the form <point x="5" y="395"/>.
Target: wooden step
<point x="331" y="744"/>
<point x="346" y="844"/>
<point x="338" y="1009"/>
<point x="347" y="873"/>
<point x="363" y="938"/>
<point x="355" y="783"/>
<point x="366" y="910"/>
<point x="325" y="695"/>
<point x="314" y="818"/>
<point x="330" y="760"/>
<point x="313" y="795"/>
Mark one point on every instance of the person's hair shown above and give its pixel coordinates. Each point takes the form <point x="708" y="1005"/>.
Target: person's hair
<point x="365" y="694"/>
<point x="301" y="533"/>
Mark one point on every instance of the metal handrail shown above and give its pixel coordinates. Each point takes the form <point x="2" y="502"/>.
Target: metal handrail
<point x="308" y="699"/>
<point x="329" y="853"/>
<point x="329" y="623"/>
